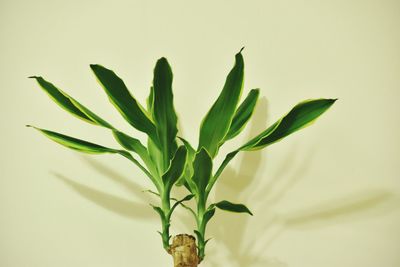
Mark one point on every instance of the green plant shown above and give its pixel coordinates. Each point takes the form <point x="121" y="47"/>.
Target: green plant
<point x="165" y="162"/>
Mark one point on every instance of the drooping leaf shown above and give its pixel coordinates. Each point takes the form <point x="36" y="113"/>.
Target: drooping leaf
<point x="87" y="147"/>
<point x="215" y="125"/>
<point x="61" y="98"/>
<point x="229" y="206"/>
<point x="243" y="114"/>
<point x="176" y="168"/>
<point x="163" y="109"/>
<point x="202" y="170"/>
<point x="302" y="115"/>
<point x="125" y="103"/>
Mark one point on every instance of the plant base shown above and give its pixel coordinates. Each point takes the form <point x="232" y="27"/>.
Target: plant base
<point x="184" y="251"/>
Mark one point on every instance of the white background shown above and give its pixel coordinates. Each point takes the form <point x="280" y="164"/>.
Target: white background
<point x="326" y="196"/>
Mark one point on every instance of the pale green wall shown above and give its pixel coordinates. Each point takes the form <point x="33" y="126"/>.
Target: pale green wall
<point x="327" y="196"/>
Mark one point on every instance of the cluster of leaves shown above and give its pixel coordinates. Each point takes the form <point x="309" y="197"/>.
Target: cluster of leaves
<point x="170" y="160"/>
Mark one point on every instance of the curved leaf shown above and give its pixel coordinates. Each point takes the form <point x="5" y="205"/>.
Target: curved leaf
<point x="61" y="98"/>
<point x="163" y="109"/>
<point x="176" y="168"/>
<point x="229" y="206"/>
<point x="202" y="166"/>
<point x="120" y="97"/>
<point x="302" y="115"/>
<point x="87" y="147"/>
<point x="243" y="114"/>
<point x="189" y="164"/>
<point x="215" y="125"/>
<point x="133" y="144"/>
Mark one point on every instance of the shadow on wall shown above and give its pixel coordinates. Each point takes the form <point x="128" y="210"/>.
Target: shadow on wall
<point x="242" y="186"/>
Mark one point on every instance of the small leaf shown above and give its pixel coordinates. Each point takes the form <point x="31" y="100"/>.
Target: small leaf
<point x="120" y="97"/>
<point x="187" y="198"/>
<point x="189" y="164"/>
<point x="215" y="124"/>
<point x="243" y="114"/>
<point x="175" y="169"/>
<point x="229" y="206"/>
<point x="163" y="109"/>
<point x="202" y="170"/>
<point x="208" y="215"/>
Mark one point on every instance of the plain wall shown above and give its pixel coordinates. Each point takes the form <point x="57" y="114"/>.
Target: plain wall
<point x="326" y="196"/>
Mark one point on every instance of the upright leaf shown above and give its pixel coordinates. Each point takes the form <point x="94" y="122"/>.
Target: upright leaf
<point x="189" y="164"/>
<point x="133" y="144"/>
<point x="215" y="125"/>
<point x="176" y="168"/>
<point x="125" y="103"/>
<point x="202" y="171"/>
<point x="243" y="114"/>
<point x="163" y="109"/>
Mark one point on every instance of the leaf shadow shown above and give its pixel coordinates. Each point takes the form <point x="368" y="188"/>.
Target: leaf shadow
<point x="138" y="210"/>
<point x="232" y="230"/>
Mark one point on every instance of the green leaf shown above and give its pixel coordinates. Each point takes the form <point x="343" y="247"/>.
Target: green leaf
<point x="302" y="115"/>
<point x="208" y="215"/>
<point x="87" y="147"/>
<point x="133" y="144"/>
<point x="163" y="109"/>
<point x="187" y="198"/>
<point x="175" y="169"/>
<point x="62" y="99"/>
<point x="150" y="101"/>
<point x="202" y="170"/>
<point x="124" y="102"/>
<point x="229" y="206"/>
<point x="216" y="123"/>
<point x="243" y="114"/>
<point x="189" y="164"/>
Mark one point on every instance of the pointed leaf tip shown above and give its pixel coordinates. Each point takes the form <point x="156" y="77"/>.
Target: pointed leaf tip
<point x="241" y="49"/>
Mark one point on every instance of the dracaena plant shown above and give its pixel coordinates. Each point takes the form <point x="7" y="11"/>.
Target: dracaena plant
<point x="169" y="159"/>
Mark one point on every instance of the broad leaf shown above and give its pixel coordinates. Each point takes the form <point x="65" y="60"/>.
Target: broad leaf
<point x="202" y="171"/>
<point x="120" y="97"/>
<point x="229" y="206"/>
<point x="243" y="114"/>
<point x="163" y="109"/>
<point x="176" y="168"/>
<point x="215" y="125"/>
